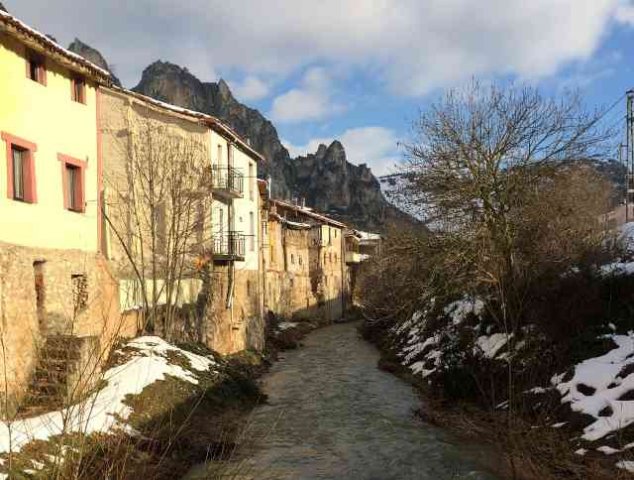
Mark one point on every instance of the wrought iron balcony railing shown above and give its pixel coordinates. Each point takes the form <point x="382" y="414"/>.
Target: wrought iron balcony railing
<point x="229" y="246"/>
<point x="227" y="181"/>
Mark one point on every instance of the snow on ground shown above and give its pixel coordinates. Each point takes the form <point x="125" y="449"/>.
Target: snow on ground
<point x="490" y="345"/>
<point x="286" y="325"/>
<point x="460" y="309"/>
<point x="105" y="410"/>
<point x="626" y="465"/>
<point x="597" y="389"/>
<point x="617" y="268"/>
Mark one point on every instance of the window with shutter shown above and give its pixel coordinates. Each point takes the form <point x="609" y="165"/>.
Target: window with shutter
<point x="35" y="68"/>
<point x="20" y="155"/>
<point x="73" y="183"/>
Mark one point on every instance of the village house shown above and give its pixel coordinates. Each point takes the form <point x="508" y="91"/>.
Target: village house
<point x="56" y="292"/>
<point x="238" y="315"/>
<point x="182" y="218"/>
<point x="304" y="263"/>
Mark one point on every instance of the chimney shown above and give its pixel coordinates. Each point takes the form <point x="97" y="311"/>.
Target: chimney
<point x="303" y="202"/>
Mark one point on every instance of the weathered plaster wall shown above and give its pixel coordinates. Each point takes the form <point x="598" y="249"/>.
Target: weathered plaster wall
<point x="62" y="308"/>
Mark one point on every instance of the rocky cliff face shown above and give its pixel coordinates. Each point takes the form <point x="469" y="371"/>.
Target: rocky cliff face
<point x="325" y="179"/>
<point x="92" y="55"/>
<point x="173" y="84"/>
<point x="349" y="192"/>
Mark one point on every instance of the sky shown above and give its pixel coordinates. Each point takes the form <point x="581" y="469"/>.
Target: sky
<point x="357" y="70"/>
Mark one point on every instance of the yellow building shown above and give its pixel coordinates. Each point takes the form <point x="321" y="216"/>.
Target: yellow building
<point x="52" y="278"/>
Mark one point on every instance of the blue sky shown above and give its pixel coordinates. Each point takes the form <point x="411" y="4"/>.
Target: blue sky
<point x="357" y="70"/>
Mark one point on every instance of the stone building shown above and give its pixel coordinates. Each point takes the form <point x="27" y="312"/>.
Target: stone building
<point x="191" y="234"/>
<point x="304" y="263"/>
<point x="54" y="285"/>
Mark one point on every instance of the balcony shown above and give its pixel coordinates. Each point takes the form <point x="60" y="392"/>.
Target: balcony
<point x="227" y="182"/>
<point x="229" y="247"/>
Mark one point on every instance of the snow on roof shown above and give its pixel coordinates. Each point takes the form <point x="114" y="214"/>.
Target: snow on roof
<point x="209" y="120"/>
<point x="296" y="225"/>
<point x="309" y="212"/>
<point x="368" y="237"/>
<point x="22" y="29"/>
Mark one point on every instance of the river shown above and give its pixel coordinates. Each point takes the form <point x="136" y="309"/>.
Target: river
<point x="332" y="414"/>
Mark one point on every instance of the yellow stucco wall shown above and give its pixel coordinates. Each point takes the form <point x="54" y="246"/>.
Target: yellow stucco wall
<point x="46" y="116"/>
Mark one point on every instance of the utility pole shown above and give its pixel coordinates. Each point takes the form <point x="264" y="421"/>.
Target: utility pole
<point x="629" y="154"/>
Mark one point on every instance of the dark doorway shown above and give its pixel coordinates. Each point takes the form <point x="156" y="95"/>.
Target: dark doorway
<point x="40" y="291"/>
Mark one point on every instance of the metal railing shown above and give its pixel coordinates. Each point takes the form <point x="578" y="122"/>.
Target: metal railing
<point x="230" y="246"/>
<point x="227" y="180"/>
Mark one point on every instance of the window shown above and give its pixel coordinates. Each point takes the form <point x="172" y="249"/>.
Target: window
<point x="251" y="231"/>
<point x="251" y="178"/>
<point x="73" y="183"/>
<point x="300" y="260"/>
<point x="219" y="155"/>
<point x="35" y="68"/>
<point x="20" y="169"/>
<point x="292" y="259"/>
<point x="19" y="161"/>
<point x="78" y="90"/>
<point x="73" y="193"/>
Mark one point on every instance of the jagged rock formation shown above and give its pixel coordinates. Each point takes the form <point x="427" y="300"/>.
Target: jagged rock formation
<point x="349" y="192"/>
<point x="2" y="8"/>
<point x="92" y="55"/>
<point x="325" y="179"/>
<point x="170" y="83"/>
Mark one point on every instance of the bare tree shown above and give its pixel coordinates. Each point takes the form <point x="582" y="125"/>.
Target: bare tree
<point x="158" y="210"/>
<point x="485" y="171"/>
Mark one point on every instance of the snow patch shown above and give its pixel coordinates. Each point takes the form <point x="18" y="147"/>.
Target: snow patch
<point x="106" y="410"/>
<point x="588" y="392"/>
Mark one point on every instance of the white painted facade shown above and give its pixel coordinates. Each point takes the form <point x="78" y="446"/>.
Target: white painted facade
<point x="239" y="214"/>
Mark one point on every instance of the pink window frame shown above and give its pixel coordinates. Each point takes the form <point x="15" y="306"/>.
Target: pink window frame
<point x="81" y="165"/>
<point x="30" y="192"/>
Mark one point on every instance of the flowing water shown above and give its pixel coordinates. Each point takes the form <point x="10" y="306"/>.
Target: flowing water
<point x="332" y="414"/>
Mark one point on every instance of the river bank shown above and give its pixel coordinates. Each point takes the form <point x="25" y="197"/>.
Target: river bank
<point x="528" y="448"/>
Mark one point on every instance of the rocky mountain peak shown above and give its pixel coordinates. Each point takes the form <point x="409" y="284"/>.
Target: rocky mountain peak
<point x="224" y="91"/>
<point x="325" y="179"/>
<point x="3" y="9"/>
<point x="92" y="55"/>
<point x="336" y="153"/>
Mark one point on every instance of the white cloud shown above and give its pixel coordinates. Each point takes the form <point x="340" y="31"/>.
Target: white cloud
<point x="412" y="46"/>
<point x="625" y="12"/>
<point x="311" y="101"/>
<point x="375" y="146"/>
<point x="250" y="88"/>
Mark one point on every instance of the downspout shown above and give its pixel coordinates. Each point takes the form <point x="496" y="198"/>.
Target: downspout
<point x="342" y="259"/>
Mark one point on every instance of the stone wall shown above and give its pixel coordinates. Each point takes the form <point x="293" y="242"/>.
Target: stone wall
<point x="234" y="320"/>
<point x="46" y="292"/>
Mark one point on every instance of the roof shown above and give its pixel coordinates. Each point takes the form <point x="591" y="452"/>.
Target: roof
<point x="43" y="44"/>
<point x="309" y="213"/>
<point x="203" y="118"/>
<point x="290" y="224"/>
